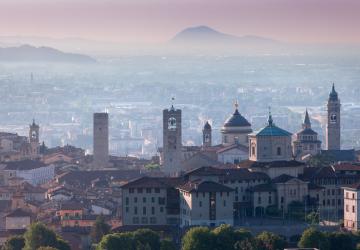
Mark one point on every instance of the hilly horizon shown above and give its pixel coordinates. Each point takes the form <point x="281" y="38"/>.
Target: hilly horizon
<point x="29" y="53"/>
<point x="205" y="33"/>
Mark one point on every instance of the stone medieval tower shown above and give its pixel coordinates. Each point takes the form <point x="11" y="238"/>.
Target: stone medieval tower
<point x="333" y="121"/>
<point x="172" y="145"/>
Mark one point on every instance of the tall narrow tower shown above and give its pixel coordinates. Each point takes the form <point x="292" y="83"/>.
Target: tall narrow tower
<point x="333" y="121"/>
<point x="172" y="144"/>
<point x="207" y="135"/>
<point x="101" y="140"/>
<point x="34" y="138"/>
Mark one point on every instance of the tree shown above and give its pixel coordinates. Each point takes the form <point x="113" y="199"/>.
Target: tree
<point x="117" y="241"/>
<point x="38" y="235"/>
<point x="343" y="241"/>
<point x="144" y="237"/>
<point x="198" y="238"/>
<point x="312" y="238"/>
<point x="14" y="243"/>
<point x="224" y="237"/>
<point x="270" y="241"/>
<point x="99" y="229"/>
<point x="167" y="245"/>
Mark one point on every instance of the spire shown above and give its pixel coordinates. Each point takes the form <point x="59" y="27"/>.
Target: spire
<point x="172" y="104"/>
<point x="307" y="123"/>
<point x="270" y="120"/>
<point x="333" y="94"/>
<point x="236" y="104"/>
<point x="207" y="126"/>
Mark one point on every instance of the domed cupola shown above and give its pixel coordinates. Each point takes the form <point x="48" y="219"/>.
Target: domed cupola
<point x="235" y="129"/>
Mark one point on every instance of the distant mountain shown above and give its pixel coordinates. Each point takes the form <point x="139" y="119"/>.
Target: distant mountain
<point x="207" y="35"/>
<point x="27" y="53"/>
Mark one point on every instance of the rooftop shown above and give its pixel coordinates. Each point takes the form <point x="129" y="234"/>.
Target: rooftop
<point x="204" y="186"/>
<point x="23" y="165"/>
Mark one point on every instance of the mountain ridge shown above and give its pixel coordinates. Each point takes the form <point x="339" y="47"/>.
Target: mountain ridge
<point x="29" y="53"/>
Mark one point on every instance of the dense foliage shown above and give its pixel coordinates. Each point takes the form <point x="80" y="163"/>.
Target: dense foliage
<point x="38" y="235"/>
<point x="142" y="239"/>
<point x="99" y="229"/>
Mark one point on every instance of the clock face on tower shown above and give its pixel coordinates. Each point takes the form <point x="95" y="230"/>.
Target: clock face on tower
<point x="33" y="135"/>
<point x="333" y="118"/>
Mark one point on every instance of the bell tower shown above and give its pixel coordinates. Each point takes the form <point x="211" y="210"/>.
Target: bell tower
<point x="172" y="144"/>
<point x="207" y="135"/>
<point x="333" y="121"/>
<point x="34" y="138"/>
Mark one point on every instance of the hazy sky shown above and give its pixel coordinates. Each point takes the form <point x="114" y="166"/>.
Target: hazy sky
<point x="158" y="20"/>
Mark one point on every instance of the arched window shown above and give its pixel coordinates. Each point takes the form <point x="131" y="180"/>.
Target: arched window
<point x="172" y="123"/>
<point x="278" y="151"/>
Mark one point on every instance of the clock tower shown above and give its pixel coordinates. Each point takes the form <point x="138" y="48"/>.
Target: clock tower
<point x="333" y="121"/>
<point x="207" y="135"/>
<point x="172" y="144"/>
<point x="34" y="138"/>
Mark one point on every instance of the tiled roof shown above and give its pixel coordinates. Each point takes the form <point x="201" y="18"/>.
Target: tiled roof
<point x="239" y="146"/>
<point x="307" y="131"/>
<point x="204" y="186"/>
<point x="277" y="164"/>
<point x="354" y="186"/>
<point x="282" y="178"/>
<point x="23" y="165"/>
<point x="263" y="188"/>
<point x="19" y="213"/>
<point x="205" y="171"/>
<point x="242" y="174"/>
<point x="153" y="182"/>
<point x="71" y="205"/>
<point x="347" y="166"/>
<point x="271" y="130"/>
<point x="85" y="178"/>
<point x="340" y="155"/>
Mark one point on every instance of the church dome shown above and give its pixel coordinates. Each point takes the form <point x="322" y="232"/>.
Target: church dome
<point x="236" y="120"/>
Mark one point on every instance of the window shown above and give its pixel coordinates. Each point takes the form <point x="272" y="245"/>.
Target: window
<point x="161" y="209"/>
<point x="135" y="199"/>
<point x="148" y="190"/>
<point x="144" y="199"/>
<point x="270" y="200"/>
<point x="127" y="209"/>
<point x="152" y="210"/>
<point x="200" y="204"/>
<point x="157" y="190"/>
<point x="278" y="151"/>
<point x="131" y="190"/>
<point x="347" y="208"/>
<point x="135" y="220"/>
<point x="144" y="220"/>
<point x="224" y="203"/>
<point x="139" y="190"/>
<point x="259" y="199"/>
<point x="127" y="200"/>
<point x="353" y="195"/>
<point x="353" y="209"/>
<point x="253" y="150"/>
<point x="135" y="210"/>
<point x="144" y="210"/>
<point x="152" y="220"/>
<point x="161" y="201"/>
<point x="152" y="199"/>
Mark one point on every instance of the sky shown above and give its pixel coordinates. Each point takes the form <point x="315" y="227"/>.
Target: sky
<point x="300" y="21"/>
